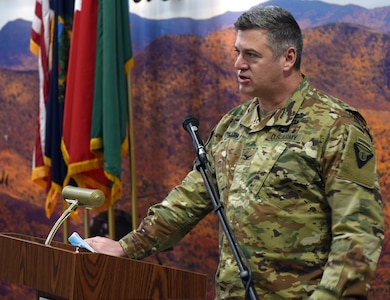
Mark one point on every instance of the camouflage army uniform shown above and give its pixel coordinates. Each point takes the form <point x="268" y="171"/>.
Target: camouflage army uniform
<point x="301" y="193"/>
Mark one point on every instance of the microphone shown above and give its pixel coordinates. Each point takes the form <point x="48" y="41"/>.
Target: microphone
<point x="190" y="124"/>
<point x="85" y="197"/>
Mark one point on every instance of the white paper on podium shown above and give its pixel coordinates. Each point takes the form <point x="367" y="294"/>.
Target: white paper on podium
<point x="76" y="240"/>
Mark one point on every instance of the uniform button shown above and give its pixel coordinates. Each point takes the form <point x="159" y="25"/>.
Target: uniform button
<point x="283" y="129"/>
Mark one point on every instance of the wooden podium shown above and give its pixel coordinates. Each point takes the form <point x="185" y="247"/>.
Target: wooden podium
<point x="59" y="272"/>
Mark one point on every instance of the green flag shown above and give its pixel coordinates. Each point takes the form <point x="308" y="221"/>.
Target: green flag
<point x="110" y="104"/>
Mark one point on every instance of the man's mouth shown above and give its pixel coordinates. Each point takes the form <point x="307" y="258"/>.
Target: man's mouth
<point x="242" y="78"/>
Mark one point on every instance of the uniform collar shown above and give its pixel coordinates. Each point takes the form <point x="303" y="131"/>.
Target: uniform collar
<point x="283" y="116"/>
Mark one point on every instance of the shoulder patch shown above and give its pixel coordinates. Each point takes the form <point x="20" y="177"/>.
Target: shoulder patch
<point x="358" y="162"/>
<point x="363" y="153"/>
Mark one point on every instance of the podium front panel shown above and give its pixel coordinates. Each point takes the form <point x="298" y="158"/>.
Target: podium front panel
<point x="59" y="271"/>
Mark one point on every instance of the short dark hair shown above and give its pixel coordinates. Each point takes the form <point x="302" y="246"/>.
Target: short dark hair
<point x="282" y="29"/>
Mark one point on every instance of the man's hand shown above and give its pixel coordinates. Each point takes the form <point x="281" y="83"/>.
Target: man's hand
<point x="106" y="246"/>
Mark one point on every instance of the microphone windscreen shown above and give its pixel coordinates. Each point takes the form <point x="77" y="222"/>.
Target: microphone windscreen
<point x="190" y="119"/>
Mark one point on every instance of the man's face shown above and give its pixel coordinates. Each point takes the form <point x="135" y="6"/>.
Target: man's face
<point x="258" y="73"/>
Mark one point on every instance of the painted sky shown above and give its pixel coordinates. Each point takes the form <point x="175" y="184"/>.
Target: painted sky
<point x="203" y="9"/>
<point x="156" y="9"/>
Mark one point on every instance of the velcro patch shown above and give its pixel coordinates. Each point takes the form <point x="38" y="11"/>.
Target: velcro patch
<point x="358" y="161"/>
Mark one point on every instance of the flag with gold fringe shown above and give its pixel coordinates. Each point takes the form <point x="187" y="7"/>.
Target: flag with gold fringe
<point x="87" y="155"/>
<point x="110" y="105"/>
<point x="51" y="39"/>
<point x="40" y="45"/>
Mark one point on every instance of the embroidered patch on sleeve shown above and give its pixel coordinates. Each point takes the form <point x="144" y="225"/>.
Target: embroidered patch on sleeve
<point x="363" y="153"/>
<point x="358" y="161"/>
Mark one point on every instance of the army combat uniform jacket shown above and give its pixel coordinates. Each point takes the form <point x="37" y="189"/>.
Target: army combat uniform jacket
<point x="301" y="193"/>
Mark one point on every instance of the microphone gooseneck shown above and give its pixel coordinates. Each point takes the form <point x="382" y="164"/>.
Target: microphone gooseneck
<point x="75" y="197"/>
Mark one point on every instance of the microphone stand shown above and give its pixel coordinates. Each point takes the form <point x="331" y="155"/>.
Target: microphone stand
<point x="203" y="166"/>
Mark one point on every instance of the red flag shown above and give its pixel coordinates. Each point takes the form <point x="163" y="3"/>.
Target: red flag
<point x="84" y="167"/>
<point x="94" y="129"/>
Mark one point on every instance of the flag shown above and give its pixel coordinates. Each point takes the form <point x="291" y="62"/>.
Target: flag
<point x="110" y="105"/>
<point x="49" y="168"/>
<point x="40" y="46"/>
<point x="86" y="166"/>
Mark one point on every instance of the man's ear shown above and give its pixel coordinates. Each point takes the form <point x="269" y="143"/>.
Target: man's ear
<point x="290" y="56"/>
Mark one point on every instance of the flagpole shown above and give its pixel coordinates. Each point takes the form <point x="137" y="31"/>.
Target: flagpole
<point x="132" y="167"/>
<point x="65" y="225"/>
<point x="111" y="222"/>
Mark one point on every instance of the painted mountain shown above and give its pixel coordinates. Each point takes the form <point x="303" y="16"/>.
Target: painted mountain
<point x="308" y="13"/>
<point x="184" y="66"/>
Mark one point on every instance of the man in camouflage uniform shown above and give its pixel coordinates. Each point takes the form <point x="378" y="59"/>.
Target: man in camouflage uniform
<point x="296" y="173"/>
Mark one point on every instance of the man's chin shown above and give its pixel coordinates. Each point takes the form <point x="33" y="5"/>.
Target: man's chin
<point x="246" y="91"/>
